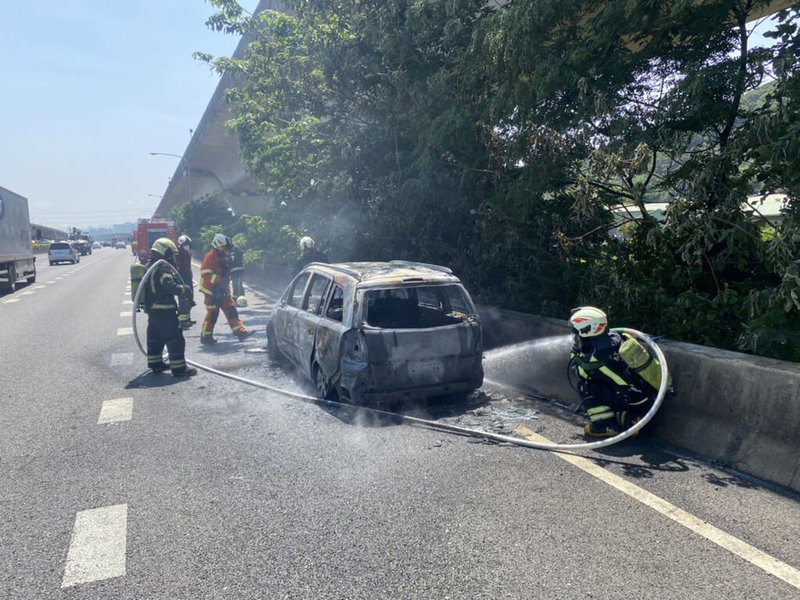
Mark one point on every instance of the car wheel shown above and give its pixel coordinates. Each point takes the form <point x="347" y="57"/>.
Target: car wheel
<point x="322" y="383"/>
<point x="52" y="263"/>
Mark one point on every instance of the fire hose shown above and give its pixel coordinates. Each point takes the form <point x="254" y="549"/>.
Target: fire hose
<point x="633" y="430"/>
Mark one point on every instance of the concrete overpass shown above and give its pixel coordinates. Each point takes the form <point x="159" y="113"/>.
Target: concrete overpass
<point x="215" y="169"/>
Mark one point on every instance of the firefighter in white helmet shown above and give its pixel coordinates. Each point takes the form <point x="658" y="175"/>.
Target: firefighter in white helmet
<point x="162" y="312"/>
<point x="215" y="285"/>
<point x="184" y="262"/>
<point x="614" y="396"/>
<point x="308" y="254"/>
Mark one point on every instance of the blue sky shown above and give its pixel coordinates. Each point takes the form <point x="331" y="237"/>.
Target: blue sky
<point x="89" y="89"/>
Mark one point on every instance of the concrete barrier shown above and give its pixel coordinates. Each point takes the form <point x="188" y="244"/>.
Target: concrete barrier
<point x="738" y="410"/>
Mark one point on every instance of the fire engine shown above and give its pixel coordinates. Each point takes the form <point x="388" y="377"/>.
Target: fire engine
<point x="148" y="231"/>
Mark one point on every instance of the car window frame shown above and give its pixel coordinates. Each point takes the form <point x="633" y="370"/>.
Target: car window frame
<point x="323" y="297"/>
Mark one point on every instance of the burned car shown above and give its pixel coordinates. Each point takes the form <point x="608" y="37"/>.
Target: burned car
<point x="372" y="332"/>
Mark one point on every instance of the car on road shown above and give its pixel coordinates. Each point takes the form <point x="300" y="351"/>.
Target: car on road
<point x="120" y="245"/>
<point x="59" y="252"/>
<point x="83" y="246"/>
<point x="96" y="245"/>
<point x="378" y="332"/>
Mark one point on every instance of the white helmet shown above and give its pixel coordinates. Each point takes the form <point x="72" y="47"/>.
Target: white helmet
<point x="588" y="321"/>
<point x="241" y="302"/>
<point x="220" y="241"/>
<point x="306" y="242"/>
<point x="184" y="239"/>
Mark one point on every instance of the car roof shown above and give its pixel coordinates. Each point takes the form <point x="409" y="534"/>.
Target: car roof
<point x="389" y="273"/>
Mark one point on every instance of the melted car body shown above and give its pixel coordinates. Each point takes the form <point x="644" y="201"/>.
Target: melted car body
<point x="379" y="331"/>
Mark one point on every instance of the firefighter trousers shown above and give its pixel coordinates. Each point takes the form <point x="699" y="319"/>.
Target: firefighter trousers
<point x="212" y="312"/>
<point x="163" y="330"/>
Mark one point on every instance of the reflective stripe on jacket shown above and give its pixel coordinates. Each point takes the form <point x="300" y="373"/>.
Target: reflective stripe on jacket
<point x="214" y="270"/>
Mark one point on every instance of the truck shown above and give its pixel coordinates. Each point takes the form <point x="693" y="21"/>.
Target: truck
<point x="148" y="231"/>
<point x="17" y="261"/>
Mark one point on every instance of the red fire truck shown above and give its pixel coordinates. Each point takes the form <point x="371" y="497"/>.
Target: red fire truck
<point x="148" y="231"/>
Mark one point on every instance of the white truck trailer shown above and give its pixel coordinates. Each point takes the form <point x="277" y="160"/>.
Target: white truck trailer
<point x="17" y="261"/>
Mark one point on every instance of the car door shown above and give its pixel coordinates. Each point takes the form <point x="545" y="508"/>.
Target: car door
<point x="307" y="320"/>
<point x="285" y="316"/>
<point x="330" y="328"/>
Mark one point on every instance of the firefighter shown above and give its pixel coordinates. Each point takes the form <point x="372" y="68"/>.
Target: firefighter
<point x="237" y="273"/>
<point x="308" y="254"/>
<point x="184" y="263"/>
<point x="162" y="312"/>
<point x="215" y="285"/>
<point x="614" y="396"/>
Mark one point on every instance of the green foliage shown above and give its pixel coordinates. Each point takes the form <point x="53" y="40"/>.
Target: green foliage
<point x="512" y="143"/>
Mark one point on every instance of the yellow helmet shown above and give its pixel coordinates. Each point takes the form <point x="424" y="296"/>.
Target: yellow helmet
<point x="164" y="247"/>
<point x="588" y="321"/>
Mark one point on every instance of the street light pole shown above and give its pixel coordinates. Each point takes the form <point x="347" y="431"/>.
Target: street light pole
<point x="186" y="166"/>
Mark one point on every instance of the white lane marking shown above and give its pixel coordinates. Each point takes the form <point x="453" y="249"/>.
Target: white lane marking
<point x="98" y="545"/>
<point x="128" y="301"/>
<point x="116" y="410"/>
<point x="754" y="556"/>
<point x="27" y="293"/>
<point x="10" y="300"/>
<point x="121" y="358"/>
<point x="125" y="331"/>
<point x="39" y="287"/>
<point x="126" y="313"/>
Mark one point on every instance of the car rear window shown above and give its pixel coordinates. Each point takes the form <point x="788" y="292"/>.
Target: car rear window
<point x="60" y="246"/>
<point x="416" y="307"/>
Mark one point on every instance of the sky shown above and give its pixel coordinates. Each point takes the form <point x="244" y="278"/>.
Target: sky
<point x="89" y="89"/>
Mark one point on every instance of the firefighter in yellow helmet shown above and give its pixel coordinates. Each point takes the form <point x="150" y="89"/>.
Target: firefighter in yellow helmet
<point x="163" y="328"/>
<point x="614" y="396"/>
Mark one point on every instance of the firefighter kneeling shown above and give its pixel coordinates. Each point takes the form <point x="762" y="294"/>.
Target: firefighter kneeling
<point x="162" y="312"/>
<point x="614" y="370"/>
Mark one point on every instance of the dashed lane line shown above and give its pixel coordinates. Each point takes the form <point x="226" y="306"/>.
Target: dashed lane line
<point x="98" y="545"/>
<point x="116" y="411"/>
<point x="125" y="331"/>
<point x="754" y="556"/>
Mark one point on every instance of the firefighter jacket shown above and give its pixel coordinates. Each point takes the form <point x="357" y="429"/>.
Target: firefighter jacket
<point x="597" y="359"/>
<point x="184" y="263"/>
<point x="236" y="262"/>
<point x="162" y="288"/>
<point x="215" y="273"/>
<point x="308" y="256"/>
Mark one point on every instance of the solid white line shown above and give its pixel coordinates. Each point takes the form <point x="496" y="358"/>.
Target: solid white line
<point x="10" y="300"/>
<point x="116" y="410"/>
<point x="98" y="546"/>
<point x="126" y="313"/>
<point x="754" y="556"/>
<point x="125" y="331"/>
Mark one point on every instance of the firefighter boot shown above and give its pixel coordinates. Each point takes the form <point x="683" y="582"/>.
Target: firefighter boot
<point x="187" y="372"/>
